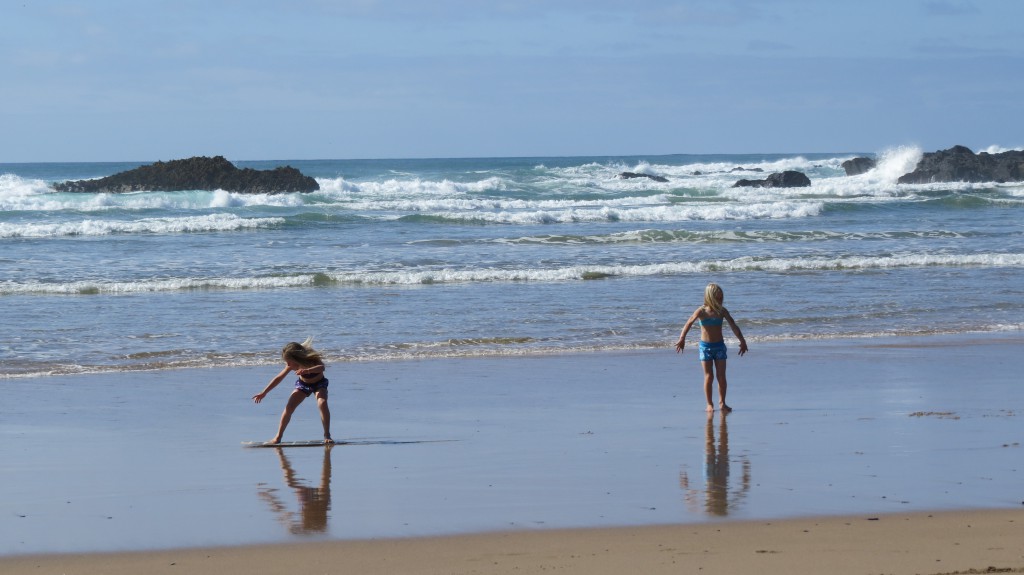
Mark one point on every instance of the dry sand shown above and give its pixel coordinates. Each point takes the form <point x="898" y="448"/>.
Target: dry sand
<point x="924" y="543"/>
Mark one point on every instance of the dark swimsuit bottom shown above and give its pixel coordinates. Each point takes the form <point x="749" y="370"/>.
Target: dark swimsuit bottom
<point x="310" y="388"/>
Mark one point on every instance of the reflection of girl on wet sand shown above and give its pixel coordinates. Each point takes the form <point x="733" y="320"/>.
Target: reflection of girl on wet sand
<point x="716" y="474"/>
<point x="314" y="502"/>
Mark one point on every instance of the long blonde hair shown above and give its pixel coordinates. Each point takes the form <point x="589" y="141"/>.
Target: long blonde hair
<point x="713" y="297"/>
<point x="302" y="353"/>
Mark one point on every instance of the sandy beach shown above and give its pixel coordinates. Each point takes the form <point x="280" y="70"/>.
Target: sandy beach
<point x="939" y="543"/>
<point x="873" y="456"/>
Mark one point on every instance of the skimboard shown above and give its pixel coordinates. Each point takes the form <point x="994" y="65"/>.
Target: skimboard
<point x="290" y="443"/>
<point x="320" y="442"/>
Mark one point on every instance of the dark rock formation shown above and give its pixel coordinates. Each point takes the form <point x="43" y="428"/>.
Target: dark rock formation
<point x="787" y="179"/>
<point x="198" y="173"/>
<point x="742" y="169"/>
<point x="960" y="164"/>
<point x="630" y="175"/>
<point x="858" y="166"/>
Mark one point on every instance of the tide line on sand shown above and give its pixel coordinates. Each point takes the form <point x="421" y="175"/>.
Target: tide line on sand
<point x="914" y="544"/>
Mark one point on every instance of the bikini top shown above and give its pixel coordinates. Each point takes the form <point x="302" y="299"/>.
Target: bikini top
<point x="717" y="321"/>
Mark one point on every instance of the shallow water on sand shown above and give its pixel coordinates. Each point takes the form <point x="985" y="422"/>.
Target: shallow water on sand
<point x="154" y="459"/>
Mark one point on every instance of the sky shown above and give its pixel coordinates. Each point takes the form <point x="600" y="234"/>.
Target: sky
<point x="146" y="80"/>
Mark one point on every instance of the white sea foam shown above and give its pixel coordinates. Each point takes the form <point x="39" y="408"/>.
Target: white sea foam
<point x="85" y="287"/>
<point x="796" y="163"/>
<point x="995" y="149"/>
<point x="581" y="193"/>
<point x="728" y="170"/>
<point x="15" y="186"/>
<point x="20" y="194"/>
<point x="828" y="179"/>
<point x="401" y="189"/>
<point x="587" y="272"/>
<point x="462" y="202"/>
<point x="474" y="204"/>
<point x="895" y="162"/>
<point x="485" y="275"/>
<point x="723" y="236"/>
<point x="597" y="212"/>
<point x="94" y="227"/>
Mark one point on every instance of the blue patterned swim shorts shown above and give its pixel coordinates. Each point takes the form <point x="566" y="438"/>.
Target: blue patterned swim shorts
<point x="712" y="351"/>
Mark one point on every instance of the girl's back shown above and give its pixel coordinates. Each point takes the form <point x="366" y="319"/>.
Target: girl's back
<point x="710" y="322"/>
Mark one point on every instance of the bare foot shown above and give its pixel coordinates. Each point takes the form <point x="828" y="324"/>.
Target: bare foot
<point x="274" y="441"/>
<point x="726" y="408"/>
<point x="328" y="440"/>
<point x="710" y="408"/>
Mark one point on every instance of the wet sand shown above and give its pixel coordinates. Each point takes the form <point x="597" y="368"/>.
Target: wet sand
<point x="913" y="544"/>
<point x="589" y="461"/>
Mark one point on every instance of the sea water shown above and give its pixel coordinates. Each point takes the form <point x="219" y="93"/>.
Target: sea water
<point x="399" y="259"/>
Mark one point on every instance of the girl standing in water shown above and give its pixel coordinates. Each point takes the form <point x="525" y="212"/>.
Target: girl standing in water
<point x="712" y="350"/>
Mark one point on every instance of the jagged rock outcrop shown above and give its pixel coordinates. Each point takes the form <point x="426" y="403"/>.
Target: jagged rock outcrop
<point x="960" y="164"/>
<point x="631" y="175"/>
<point x="787" y="179"/>
<point x="858" y="166"/>
<point x="197" y="173"/>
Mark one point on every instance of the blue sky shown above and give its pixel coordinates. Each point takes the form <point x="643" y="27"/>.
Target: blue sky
<point x="304" y="79"/>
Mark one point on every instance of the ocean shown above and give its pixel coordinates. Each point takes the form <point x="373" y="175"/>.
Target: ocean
<point x="422" y="258"/>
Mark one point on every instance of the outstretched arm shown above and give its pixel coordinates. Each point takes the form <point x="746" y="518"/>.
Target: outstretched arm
<point x="273" y="383"/>
<point x="736" y="330"/>
<point x="686" y="329"/>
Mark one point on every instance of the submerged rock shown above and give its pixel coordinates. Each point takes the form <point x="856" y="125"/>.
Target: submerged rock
<point x="787" y="179"/>
<point x="197" y="173"/>
<point x="960" y="164"/>
<point x="631" y="175"/>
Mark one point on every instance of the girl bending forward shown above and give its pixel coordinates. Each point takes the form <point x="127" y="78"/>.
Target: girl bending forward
<point x="309" y="367"/>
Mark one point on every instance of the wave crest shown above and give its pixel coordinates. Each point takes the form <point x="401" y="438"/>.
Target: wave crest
<point x="194" y="224"/>
<point x="895" y="162"/>
<point x="483" y="275"/>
